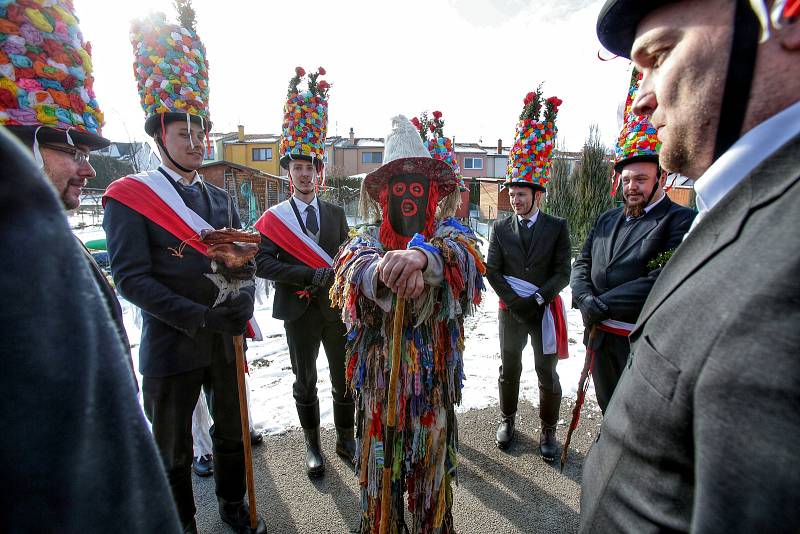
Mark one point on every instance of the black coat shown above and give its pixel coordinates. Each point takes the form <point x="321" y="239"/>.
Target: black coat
<point x="291" y="275"/>
<point x="617" y="272"/>
<point x="77" y="454"/>
<point x="701" y="433"/>
<point x="172" y="292"/>
<point x="545" y="264"/>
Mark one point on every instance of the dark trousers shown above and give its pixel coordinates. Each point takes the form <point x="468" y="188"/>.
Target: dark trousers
<point x="169" y="403"/>
<point x="514" y="335"/>
<point x="304" y="336"/>
<point x="610" y="358"/>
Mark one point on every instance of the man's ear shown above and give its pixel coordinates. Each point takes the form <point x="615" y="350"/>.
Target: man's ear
<point x="790" y="35"/>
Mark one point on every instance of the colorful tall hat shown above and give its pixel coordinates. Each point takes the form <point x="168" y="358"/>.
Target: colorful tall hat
<point x="638" y="140"/>
<point x="46" y="75"/>
<point x="531" y="156"/>
<point x="305" y="119"/>
<point x="404" y="153"/>
<point x="439" y="146"/>
<point x="171" y="71"/>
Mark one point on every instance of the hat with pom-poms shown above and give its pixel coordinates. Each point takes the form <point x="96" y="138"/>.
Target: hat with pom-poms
<point x="439" y="146"/>
<point x="171" y="70"/>
<point x="46" y="83"/>
<point x="531" y="156"/>
<point x="305" y="119"/>
<point x="638" y="140"/>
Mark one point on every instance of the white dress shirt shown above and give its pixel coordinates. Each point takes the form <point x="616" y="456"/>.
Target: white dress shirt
<point x="532" y="219"/>
<point x="302" y="207"/>
<point x="180" y="179"/>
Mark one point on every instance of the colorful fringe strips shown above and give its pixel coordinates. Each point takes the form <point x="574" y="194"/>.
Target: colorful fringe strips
<point x="430" y="382"/>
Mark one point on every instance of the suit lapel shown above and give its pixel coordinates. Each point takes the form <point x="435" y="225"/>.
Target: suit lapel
<point x="325" y="227"/>
<point x="538" y="231"/>
<point x="721" y="226"/>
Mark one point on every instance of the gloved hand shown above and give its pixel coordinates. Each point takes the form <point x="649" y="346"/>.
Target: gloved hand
<point x="246" y="272"/>
<point x="593" y="310"/>
<point x="231" y="316"/>
<point x="525" y="309"/>
<point x="323" y="277"/>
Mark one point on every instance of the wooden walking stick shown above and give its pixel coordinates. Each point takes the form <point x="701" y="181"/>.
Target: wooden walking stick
<point x="238" y="344"/>
<point x="583" y="385"/>
<point x="391" y="414"/>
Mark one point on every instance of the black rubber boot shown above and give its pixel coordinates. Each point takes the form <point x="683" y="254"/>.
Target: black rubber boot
<point x="548" y="445"/>
<point x="346" y="444"/>
<point x="229" y="475"/>
<point x="315" y="464"/>
<point x="509" y="395"/>
<point x="237" y="515"/>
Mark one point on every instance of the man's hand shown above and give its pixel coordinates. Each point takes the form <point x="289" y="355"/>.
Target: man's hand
<point x="593" y="310"/>
<point x="231" y="316"/>
<point x="401" y="271"/>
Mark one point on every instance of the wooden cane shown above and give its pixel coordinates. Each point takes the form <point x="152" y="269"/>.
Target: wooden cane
<point x="238" y="344"/>
<point x="388" y="447"/>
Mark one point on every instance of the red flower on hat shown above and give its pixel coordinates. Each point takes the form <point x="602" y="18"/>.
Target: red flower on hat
<point x="323" y="85"/>
<point x="322" y="71"/>
<point x="529" y="97"/>
<point x="555" y="101"/>
<point x="415" y="122"/>
<point x="300" y="71"/>
<point x="431" y="127"/>
<point x="437" y="114"/>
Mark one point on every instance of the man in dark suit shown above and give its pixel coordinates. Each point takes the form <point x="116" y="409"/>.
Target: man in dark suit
<point x="72" y="411"/>
<point x="534" y="247"/>
<point x="701" y="434"/>
<point x="615" y="271"/>
<point x="301" y="301"/>
<point x="186" y="340"/>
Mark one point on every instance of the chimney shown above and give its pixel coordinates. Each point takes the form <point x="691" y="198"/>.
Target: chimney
<point x="352" y="136"/>
<point x="240" y="136"/>
<point x="499" y="146"/>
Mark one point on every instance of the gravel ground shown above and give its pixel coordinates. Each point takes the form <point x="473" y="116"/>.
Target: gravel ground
<point x="498" y="491"/>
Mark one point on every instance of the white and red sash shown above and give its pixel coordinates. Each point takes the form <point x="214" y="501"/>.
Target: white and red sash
<point x="618" y="328"/>
<point x="149" y="194"/>
<point x="280" y="225"/>
<point x="555" y="339"/>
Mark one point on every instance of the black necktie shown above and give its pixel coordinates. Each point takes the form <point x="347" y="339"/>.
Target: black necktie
<point x="311" y="220"/>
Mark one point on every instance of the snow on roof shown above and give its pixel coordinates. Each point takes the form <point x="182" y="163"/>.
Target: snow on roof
<point x="369" y="143"/>
<point x="471" y="148"/>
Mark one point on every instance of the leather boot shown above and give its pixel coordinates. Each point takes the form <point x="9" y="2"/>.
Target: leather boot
<point x="509" y="395"/>
<point x="237" y="515"/>
<point x="315" y="465"/>
<point x="505" y="432"/>
<point x="548" y="445"/>
<point x="549" y="405"/>
<point x="346" y="444"/>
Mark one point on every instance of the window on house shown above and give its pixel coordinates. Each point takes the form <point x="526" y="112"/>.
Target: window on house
<point x="209" y="153"/>
<point x="262" y="154"/>
<point x="372" y="157"/>
<point x="473" y="163"/>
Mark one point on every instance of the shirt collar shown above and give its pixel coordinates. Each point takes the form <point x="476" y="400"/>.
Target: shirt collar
<point x="649" y="207"/>
<point x="301" y="206"/>
<point x="177" y="177"/>
<point x="745" y="155"/>
<point x="532" y="218"/>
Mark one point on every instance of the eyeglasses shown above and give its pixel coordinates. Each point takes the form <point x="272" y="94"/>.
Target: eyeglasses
<point x="79" y="156"/>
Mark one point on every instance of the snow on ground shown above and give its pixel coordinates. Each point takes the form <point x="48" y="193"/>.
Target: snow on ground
<point x="271" y="378"/>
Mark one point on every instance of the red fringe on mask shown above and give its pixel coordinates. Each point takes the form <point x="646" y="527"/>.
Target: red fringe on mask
<point x="390" y="239"/>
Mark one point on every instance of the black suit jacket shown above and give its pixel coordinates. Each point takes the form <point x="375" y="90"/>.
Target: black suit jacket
<point x="291" y="275"/>
<point x="701" y="433"/>
<point x="622" y="280"/>
<point x="78" y="456"/>
<point x="172" y="292"/>
<point x="545" y="264"/>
